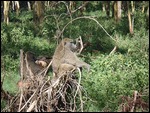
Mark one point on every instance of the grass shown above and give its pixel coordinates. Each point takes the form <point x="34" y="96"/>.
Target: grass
<point x="10" y="82"/>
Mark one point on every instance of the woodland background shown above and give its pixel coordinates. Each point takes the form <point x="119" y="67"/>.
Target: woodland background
<point x="116" y="45"/>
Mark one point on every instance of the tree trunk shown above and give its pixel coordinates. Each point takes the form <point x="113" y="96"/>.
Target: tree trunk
<point x="132" y="6"/>
<point x="147" y="19"/>
<point x="117" y="10"/>
<point x="38" y="9"/>
<point x="108" y="8"/>
<point x="130" y="19"/>
<point x="6" y="11"/>
<point x="29" y="6"/>
<point x="17" y="7"/>
<point x="143" y="7"/>
<point x="103" y="6"/>
<point x="113" y="9"/>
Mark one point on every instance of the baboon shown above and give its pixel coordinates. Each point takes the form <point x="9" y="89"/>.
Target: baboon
<point x="66" y="68"/>
<point x="29" y="65"/>
<point x="65" y="59"/>
<point x="43" y="61"/>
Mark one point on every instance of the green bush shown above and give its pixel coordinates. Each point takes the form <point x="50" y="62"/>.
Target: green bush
<point x="114" y="76"/>
<point x="111" y="76"/>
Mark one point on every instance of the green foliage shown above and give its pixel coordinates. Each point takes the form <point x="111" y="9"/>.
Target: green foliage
<point x="118" y="74"/>
<point x="93" y="6"/>
<point x="111" y="76"/>
<point x="114" y="76"/>
<point x="25" y="16"/>
<point x="10" y="63"/>
<point x="10" y="82"/>
<point x="140" y="20"/>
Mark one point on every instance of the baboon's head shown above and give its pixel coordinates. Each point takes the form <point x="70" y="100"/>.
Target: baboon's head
<point x="69" y="44"/>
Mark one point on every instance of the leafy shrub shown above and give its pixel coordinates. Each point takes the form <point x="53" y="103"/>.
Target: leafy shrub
<point x="118" y="74"/>
<point x="114" y="76"/>
<point x="111" y="76"/>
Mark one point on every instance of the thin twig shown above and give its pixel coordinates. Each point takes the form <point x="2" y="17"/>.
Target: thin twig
<point x="21" y="96"/>
<point x="28" y="68"/>
<point x="21" y="63"/>
<point x="30" y="98"/>
<point x="80" y="94"/>
<point x="21" y="73"/>
<point x="67" y="8"/>
<point x="45" y="70"/>
<point x="83" y="5"/>
<point x="81" y="43"/>
<point x="134" y="101"/>
<point x="47" y="67"/>
<point x="32" y="106"/>
<point x="11" y="102"/>
<point x="77" y="87"/>
<point x="113" y="50"/>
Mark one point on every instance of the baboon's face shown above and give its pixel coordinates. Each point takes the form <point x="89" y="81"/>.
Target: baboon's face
<point x="70" y="44"/>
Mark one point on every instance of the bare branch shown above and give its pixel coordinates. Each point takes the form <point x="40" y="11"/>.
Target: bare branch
<point x="21" y="73"/>
<point x="83" y="5"/>
<point x="134" y="101"/>
<point x="113" y="50"/>
<point x="32" y="106"/>
<point x="29" y="98"/>
<point x="81" y="43"/>
<point x="21" y="63"/>
<point x="67" y="8"/>
<point x="87" y="17"/>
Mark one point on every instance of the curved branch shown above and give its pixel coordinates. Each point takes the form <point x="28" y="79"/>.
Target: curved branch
<point x="67" y="8"/>
<point x="86" y="17"/>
